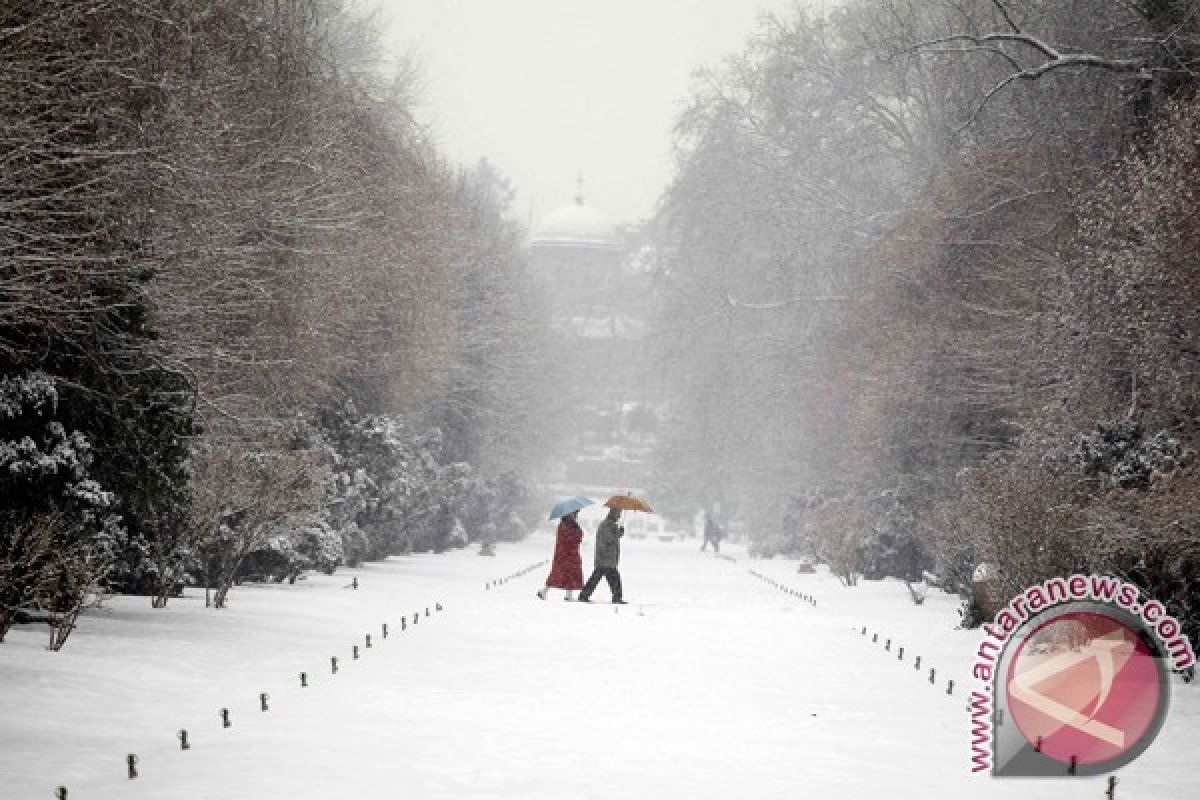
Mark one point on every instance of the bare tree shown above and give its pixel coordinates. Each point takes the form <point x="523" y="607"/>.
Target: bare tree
<point x="28" y="548"/>
<point x="245" y="492"/>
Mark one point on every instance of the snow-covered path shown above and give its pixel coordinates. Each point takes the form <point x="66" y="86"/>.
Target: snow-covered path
<point x="709" y="684"/>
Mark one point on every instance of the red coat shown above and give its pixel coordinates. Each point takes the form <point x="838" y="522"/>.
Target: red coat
<point x="566" y="572"/>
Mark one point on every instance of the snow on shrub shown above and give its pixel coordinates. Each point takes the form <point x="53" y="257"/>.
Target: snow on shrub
<point x="56" y="537"/>
<point x="1121" y="454"/>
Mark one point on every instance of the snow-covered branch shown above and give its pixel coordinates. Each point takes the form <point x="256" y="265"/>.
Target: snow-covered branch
<point x="1015" y="46"/>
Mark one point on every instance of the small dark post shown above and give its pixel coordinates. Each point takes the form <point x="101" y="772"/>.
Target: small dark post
<point x="1037" y="746"/>
<point x="1111" y="792"/>
<point x="263" y="697"/>
<point x="427" y="611"/>
<point x="888" y="645"/>
<point x="61" y="793"/>
<point x="950" y="687"/>
<point x="487" y="585"/>
<point x="932" y="672"/>
<point x="874" y="638"/>
<point x="354" y="582"/>
<point x="900" y="654"/>
<point x="356" y="651"/>
<point x="225" y="723"/>
<point x="385" y="630"/>
<point x="416" y="618"/>
<point x="404" y="623"/>
<point x="303" y="680"/>
<point x="864" y="630"/>
<point x="918" y="664"/>
<point x="131" y="761"/>
<point x="368" y="640"/>
<point x="333" y="663"/>
<point x="438" y="607"/>
<point x="1073" y="765"/>
<point x="184" y="744"/>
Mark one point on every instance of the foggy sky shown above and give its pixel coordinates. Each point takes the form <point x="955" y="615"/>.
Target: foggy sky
<point x="548" y="88"/>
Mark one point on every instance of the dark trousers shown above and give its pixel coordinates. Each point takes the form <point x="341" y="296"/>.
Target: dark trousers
<point x="608" y="573"/>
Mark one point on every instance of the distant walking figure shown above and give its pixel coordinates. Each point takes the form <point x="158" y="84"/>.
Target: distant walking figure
<point x="608" y="555"/>
<point x="566" y="571"/>
<point x="712" y="533"/>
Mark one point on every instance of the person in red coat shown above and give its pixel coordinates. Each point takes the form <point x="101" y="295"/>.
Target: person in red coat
<point x="566" y="571"/>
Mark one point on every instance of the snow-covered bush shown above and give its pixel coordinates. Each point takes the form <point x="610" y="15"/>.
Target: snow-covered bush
<point x="382" y="480"/>
<point x="305" y="544"/>
<point x="869" y="535"/>
<point x="40" y="462"/>
<point x="319" y="546"/>
<point x="457" y="537"/>
<point x="391" y="491"/>
<point x="892" y="545"/>
<point x="1123" y="456"/>
<point x="55" y="530"/>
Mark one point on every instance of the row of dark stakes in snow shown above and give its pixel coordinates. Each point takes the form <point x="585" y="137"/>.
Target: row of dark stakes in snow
<point x="1111" y="791"/>
<point x="887" y="648"/>
<point x="518" y="574"/>
<point x="887" y="644"/>
<point x="806" y="598"/>
<point x="131" y="760"/>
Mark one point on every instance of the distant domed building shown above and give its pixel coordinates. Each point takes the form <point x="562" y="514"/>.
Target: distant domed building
<point x="577" y="253"/>
<point x="598" y="308"/>
<point x="577" y="226"/>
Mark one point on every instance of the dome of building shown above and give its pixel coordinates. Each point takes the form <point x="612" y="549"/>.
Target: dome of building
<point x="577" y="225"/>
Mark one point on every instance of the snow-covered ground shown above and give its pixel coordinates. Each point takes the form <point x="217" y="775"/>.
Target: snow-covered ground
<point x="711" y="683"/>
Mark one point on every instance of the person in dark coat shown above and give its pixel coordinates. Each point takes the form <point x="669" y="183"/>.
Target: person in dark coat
<point x="566" y="570"/>
<point x="712" y="533"/>
<point x="608" y="555"/>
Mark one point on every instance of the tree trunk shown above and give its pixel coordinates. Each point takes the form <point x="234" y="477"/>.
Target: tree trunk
<point x="222" y="593"/>
<point x="162" y="589"/>
<point x="61" y="628"/>
<point x="6" y="621"/>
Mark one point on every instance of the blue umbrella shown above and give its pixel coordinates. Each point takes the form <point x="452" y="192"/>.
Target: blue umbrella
<point x="570" y="506"/>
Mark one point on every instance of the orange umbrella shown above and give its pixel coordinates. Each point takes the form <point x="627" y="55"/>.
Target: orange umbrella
<point x="627" y="502"/>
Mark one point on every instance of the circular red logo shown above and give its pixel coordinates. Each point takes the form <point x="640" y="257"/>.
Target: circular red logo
<point x="1084" y="685"/>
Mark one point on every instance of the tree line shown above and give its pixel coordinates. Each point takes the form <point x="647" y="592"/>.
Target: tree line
<point x="931" y="294"/>
<point x="251" y="321"/>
